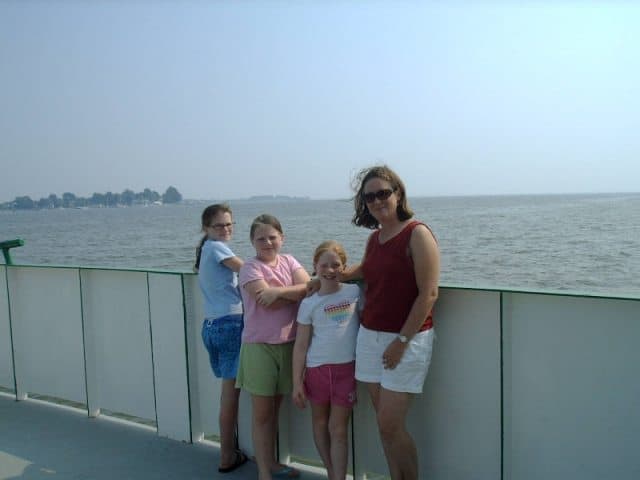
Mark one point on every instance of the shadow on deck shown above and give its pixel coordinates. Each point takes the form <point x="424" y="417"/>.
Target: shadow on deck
<point x="41" y="441"/>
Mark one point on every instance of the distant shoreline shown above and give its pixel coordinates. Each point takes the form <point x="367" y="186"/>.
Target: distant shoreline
<point x="283" y="198"/>
<point x="69" y="200"/>
<point x="287" y="198"/>
<point x="275" y="198"/>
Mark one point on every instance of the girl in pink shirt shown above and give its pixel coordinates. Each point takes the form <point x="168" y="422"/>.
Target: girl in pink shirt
<point x="271" y="285"/>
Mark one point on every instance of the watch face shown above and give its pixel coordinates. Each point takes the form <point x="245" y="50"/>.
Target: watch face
<point x="403" y="339"/>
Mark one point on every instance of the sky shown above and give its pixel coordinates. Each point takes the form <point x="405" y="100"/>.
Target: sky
<point x="231" y="99"/>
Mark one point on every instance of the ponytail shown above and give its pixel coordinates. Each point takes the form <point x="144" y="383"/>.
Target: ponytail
<point x="196" y="266"/>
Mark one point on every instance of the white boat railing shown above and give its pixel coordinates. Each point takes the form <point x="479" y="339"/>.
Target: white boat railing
<point x="523" y="385"/>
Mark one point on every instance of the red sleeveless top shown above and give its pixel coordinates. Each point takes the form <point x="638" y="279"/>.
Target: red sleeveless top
<point x="390" y="283"/>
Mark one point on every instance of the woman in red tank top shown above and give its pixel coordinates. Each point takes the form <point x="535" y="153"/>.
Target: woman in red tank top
<point x="400" y="270"/>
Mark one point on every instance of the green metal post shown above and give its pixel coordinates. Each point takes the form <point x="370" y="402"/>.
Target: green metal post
<point x="6" y="246"/>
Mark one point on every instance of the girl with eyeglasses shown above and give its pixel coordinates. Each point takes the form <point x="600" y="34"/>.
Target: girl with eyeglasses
<point x="217" y="268"/>
<point x="272" y="284"/>
<point x="400" y="269"/>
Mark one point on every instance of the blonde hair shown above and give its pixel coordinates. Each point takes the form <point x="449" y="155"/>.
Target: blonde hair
<point x="330" y="246"/>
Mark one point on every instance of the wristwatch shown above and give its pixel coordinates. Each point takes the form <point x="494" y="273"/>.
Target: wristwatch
<point x="403" y="339"/>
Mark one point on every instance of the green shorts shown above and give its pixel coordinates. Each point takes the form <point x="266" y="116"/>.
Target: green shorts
<point x="265" y="369"/>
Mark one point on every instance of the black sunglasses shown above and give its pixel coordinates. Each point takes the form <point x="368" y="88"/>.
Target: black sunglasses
<point x="380" y="195"/>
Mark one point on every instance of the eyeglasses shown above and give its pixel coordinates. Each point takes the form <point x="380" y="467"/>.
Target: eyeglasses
<point x="380" y="195"/>
<point x="220" y="226"/>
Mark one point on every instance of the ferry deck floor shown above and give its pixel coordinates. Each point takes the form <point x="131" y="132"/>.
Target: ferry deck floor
<point x="40" y="441"/>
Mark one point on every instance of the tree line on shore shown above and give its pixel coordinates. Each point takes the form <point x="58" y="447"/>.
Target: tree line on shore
<point x="69" y="200"/>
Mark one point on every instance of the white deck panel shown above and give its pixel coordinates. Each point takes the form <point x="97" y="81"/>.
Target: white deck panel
<point x="572" y="393"/>
<point x="47" y="332"/>
<point x="169" y="355"/>
<point x="116" y="311"/>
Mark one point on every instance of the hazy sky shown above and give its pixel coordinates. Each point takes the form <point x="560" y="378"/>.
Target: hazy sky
<point x="226" y="100"/>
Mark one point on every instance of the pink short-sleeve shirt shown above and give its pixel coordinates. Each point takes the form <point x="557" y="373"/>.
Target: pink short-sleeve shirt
<point x="262" y="325"/>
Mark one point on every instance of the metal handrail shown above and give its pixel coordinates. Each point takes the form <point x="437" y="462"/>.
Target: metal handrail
<point x="7" y="245"/>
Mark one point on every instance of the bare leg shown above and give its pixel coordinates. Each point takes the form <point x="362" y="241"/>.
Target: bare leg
<point x="374" y="393"/>
<point x="320" y="423"/>
<point x="277" y="401"/>
<point x="399" y="446"/>
<point x="228" y="419"/>
<point x="264" y="411"/>
<point x="338" y="427"/>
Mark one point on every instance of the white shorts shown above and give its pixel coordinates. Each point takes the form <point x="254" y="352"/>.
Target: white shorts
<point x="409" y="374"/>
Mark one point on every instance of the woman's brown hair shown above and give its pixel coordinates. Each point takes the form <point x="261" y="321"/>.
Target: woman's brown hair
<point x="362" y="216"/>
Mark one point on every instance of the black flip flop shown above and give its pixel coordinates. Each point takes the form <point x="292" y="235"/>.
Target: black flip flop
<point x="240" y="460"/>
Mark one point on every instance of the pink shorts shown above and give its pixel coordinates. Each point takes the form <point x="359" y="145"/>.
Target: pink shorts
<point x="331" y="383"/>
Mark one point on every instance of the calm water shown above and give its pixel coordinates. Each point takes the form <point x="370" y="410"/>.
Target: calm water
<point x="583" y="243"/>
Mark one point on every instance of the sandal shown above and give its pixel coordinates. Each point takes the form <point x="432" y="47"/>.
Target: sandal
<point x="239" y="460"/>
